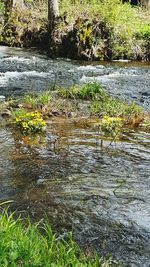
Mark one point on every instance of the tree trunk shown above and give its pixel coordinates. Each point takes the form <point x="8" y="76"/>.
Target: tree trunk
<point x="7" y="10"/>
<point x="56" y="8"/>
<point x="8" y="6"/>
<point x="53" y="13"/>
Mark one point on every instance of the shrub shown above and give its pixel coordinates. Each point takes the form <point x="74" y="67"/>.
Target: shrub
<point x="143" y="32"/>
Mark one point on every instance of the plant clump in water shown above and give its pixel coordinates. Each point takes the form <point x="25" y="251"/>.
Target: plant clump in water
<point x="111" y="125"/>
<point x="30" y="122"/>
<point x="88" y="100"/>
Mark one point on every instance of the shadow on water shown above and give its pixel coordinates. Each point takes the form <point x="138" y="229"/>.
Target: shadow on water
<point x="102" y="193"/>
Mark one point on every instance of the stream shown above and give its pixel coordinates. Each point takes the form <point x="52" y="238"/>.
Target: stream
<point x="102" y="193"/>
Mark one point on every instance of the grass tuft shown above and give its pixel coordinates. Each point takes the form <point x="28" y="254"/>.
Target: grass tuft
<point x="88" y="91"/>
<point x="35" y="245"/>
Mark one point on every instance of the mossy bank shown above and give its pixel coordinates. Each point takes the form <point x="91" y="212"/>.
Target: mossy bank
<point x="91" y="30"/>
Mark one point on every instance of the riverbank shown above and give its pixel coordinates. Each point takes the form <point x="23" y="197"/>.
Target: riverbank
<point x="104" y="31"/>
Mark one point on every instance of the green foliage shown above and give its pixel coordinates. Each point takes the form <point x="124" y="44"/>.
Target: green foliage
<point x="1" y="5"/>
<point x="143" y="32"/>
<point x="120" y="25"/>
<point x="29" y="246"/>
<point x="114" y="36"/>
<point x="114" y="107"/>
<point x="37" y="99"/>
<point x="44" y="98"/>
<point x="101" y="101"/>
<point x="29" y="122"/>
<point x="30" y="99"/>
<point x="87" y="91"/>
<point x="18" y="112"/>
<point x="111" y="126"/>
<point x="17" y="21"/>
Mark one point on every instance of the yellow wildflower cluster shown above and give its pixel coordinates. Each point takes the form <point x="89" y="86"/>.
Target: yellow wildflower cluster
<point x="109" y="120"/>
<point x="30" y="122"/>
<point x="111" y="125"/>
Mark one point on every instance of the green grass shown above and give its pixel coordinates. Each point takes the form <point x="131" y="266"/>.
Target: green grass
<point x="30" y="99"/>
<point x="87" y="91"/>
<point x="34" y="245"/>
<point x="114" y="107"/>
<point x="42" y="98"/>
<point x="115" y="114"/>
<point x="100" y="101"/>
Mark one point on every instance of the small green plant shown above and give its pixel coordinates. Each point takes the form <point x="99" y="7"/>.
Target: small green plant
<point x="30" y="99"/>
<point x="35" y="99"/>
<point x="143" y="32"/>
<point x="18" y="112"/>
<point x="44" y="98"/>
<point x="30" y="122"/>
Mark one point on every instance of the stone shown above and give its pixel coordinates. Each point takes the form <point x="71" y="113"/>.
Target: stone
<point x="6" y="113"/>
<point x="2" y="98"/>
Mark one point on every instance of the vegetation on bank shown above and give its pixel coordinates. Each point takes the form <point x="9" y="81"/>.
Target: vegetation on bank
<point x="35" y="245"/>
<point x="110" y="29"/>
<point x="113" y="115"/>
<point x="95" y="29"/>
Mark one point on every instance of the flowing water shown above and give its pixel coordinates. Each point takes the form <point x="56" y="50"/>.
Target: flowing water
<point x="103" y="193"/>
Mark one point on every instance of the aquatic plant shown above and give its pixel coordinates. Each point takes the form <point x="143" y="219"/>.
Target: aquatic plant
<point x="114" y="107"/>
<point x="25" y="244"/>
<point x="100" y="101"/>
<point x="111" y="125"/>
<point x="30" y="122"/>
